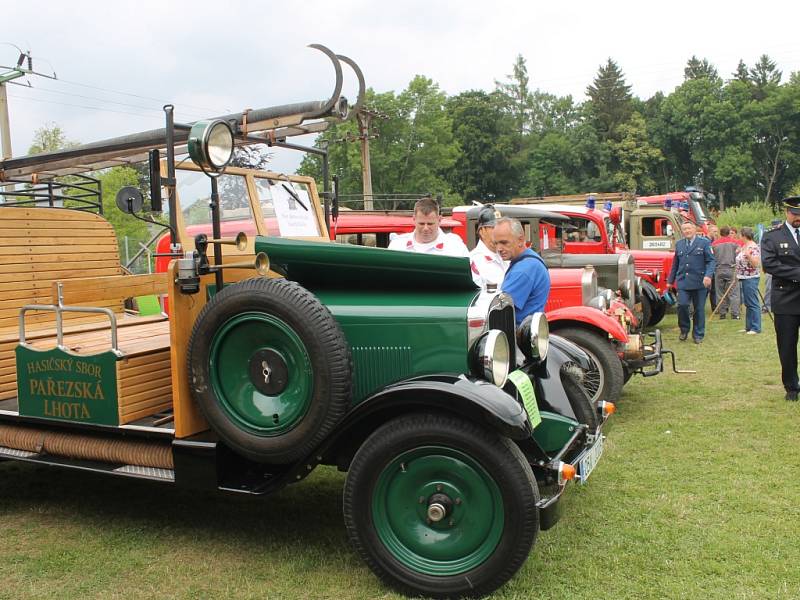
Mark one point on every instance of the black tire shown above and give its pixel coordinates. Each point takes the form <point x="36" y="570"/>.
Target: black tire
<point x="627" y="374"/>
<point x="647" y="312"/>
<point x="657" y="312"/>
<point x="279" y="318"/>
<point x="421" y="437"/>
<point x="585" y="410"/>
<point x="604" y="382"/>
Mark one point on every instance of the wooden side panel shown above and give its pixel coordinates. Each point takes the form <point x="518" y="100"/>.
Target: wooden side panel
<point x="145" y="385"/>
<point x="85" y="289"/>
<point x="183" y="313"/>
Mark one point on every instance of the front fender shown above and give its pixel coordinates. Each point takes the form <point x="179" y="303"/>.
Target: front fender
<point x="589" y="316"/>
<point x="476" y="400"/>
<point x="550" y="390"/>
<point x="570" y="351"/>
<point x="649" y="290"/>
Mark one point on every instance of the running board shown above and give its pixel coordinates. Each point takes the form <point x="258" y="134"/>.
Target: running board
<point x="151" y="473"/>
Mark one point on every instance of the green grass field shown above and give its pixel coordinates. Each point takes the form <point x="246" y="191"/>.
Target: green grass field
<point x="697" y="496"/>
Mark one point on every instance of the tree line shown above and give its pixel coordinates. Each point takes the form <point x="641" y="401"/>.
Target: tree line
<point x="736" y="137"/>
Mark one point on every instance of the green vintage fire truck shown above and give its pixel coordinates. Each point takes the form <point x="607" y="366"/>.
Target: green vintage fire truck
<point x="281" y="351"/>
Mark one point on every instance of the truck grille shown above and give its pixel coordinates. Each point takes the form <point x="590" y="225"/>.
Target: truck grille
<point x="501" y="316"/>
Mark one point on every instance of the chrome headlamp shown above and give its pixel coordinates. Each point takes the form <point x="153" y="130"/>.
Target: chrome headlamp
<point x="210" y="144"/>
<point x="540" y="336"/>
<point x="599" y="302"/>
<point x="533" y="337"/>
<point x="490" y="357"/>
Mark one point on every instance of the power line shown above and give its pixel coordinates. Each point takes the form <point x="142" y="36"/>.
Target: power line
<point x="160" y="100"/>
<point x="97" y="108"/>
<point x="94" y="98"/>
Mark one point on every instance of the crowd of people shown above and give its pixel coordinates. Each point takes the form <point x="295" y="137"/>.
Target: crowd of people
<point x="729" y="264"/>
<point x="725" y="266"/>
<point x="727" y="271"/>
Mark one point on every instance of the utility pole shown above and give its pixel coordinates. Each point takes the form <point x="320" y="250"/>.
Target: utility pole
<point x="364" y="118"/>
<point x="4" y="124"/>
<point x="10" y="74"/>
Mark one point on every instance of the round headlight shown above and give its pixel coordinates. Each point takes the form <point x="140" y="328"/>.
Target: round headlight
<point x="211" y="144"/>
<point x="491" y="357"/>
<point x="540" y="336"/>
<point x="598" y="302"/>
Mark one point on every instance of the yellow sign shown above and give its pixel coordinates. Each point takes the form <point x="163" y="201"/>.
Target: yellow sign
<point x="525" y="388"/>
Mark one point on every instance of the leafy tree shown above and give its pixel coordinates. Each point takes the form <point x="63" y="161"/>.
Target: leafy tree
<point x="742" y="73"/>
<point x="488" y="164"/>
<point x="776" y="127"/>
<point x="636" y="156"/>
<point x="682" y="126"/>
<point x="125" y="226"/>
<point x="49" y="138"/>
<point x="696" y="69"/>
<point x="414" y="149"/>
<point x="553" y="164"/>
<point x="763" y="75"/>
<point x="610" y="100"/>
<point x="553" y="113"/>
<point x="256" y="156"/>
<point x="516" y="95"/>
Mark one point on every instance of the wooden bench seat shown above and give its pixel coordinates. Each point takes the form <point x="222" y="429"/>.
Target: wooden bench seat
<point x="41" y="248"/>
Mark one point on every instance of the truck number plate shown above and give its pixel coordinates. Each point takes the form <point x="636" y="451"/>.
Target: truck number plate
<point x="589" y="462"/>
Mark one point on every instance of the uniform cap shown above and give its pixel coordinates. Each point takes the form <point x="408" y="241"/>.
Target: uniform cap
<point x="488" y="216"/>
<point x="792" y="204"/>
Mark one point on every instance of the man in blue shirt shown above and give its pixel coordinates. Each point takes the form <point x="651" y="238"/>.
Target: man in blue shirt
<point x="692" y="269"/>
<point x="527" y="280"/>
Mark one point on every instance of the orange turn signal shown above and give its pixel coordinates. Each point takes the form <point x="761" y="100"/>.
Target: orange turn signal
<point x="566" y="472"/>
<point x="609" y="408"/>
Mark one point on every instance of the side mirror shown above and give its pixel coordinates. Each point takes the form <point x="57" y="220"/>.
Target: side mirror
<point x="129" y="200"/>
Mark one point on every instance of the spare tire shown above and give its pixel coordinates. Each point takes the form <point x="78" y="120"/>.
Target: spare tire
<point x="270" y="369"/>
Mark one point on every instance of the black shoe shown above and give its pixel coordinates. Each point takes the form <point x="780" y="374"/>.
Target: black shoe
<point x="698" y="340"/>
<point x="792" y="395"/>
<point x="723" y="317"/>
<point x="736" y="318"/>
<point x="684" y="334"/>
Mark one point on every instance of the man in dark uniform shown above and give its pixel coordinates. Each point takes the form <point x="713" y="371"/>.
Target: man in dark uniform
<point x="692" y="268"/>
<point x="780" y="257"/>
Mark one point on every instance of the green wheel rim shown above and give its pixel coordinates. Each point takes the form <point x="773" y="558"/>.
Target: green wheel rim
<point x="232" y="348"/>
<point x="461" y="541"/>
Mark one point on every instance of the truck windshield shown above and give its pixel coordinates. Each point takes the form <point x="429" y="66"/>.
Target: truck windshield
<point x="287" y="208"/>
<point x="194" y="195"/>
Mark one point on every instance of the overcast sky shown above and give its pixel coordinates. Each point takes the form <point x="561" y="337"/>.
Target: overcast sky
<point x="211" y="58"/>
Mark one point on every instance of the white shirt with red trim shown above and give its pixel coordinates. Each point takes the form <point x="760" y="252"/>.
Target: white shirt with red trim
<point x="487" y="267"/>
<point x="446" y="244"/>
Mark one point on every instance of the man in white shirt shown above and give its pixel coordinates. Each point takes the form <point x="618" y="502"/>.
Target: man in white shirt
<point x="427" y="236"/>
<point x="488" y="268"/>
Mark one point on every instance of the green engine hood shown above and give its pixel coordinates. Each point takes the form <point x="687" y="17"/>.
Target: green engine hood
<point x="322" y="264"/>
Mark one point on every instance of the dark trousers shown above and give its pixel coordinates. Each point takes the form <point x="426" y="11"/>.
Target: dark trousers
<point x="697" y="298"/>
<point x="786" y="332"/>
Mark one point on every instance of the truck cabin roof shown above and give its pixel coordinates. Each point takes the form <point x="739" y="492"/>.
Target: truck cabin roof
<point x="516" y="212"/>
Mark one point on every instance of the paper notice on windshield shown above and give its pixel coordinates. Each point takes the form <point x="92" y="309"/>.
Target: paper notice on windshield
<point x="525" y="388"/>
<point x="294" y="211"/>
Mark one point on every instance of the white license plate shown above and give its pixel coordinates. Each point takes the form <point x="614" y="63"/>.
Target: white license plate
<point x="590" y="460"/>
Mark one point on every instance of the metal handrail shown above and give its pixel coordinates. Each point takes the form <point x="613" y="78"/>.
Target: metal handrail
<point x="59" y="309"/>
